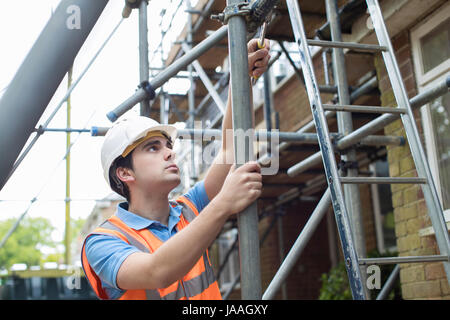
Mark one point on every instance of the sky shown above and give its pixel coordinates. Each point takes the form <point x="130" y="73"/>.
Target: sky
<point x="112" y="78"/>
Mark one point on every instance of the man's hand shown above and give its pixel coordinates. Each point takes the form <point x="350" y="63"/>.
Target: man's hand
<point x="258" y="59"/>
<point x="242" y="186"/>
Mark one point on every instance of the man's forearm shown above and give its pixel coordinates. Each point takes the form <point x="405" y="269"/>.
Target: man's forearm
<point x="176" y="256"/>
<point x="180" y="253"/>
<point x="227" y="122"/>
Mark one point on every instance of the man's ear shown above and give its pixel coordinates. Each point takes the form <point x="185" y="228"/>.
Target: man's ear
<point x="125" y="174"/>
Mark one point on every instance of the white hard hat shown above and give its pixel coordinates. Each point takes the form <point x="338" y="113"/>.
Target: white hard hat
<point x="124" y="133"/>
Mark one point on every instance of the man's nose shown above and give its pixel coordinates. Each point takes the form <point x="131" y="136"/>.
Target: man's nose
<point x="169" y="154"/>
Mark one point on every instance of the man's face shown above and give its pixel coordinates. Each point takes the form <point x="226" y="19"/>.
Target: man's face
<point x="154" y="165"/>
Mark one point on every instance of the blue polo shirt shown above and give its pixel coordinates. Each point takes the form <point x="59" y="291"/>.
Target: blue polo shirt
<point x="107" y="253"/>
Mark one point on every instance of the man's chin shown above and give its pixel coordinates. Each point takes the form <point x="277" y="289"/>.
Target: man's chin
<point x="174" y="181"/>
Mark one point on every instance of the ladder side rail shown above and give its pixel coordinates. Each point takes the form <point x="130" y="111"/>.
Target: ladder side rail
<point x="326" y="147"/>
<point x="423" y="170"/>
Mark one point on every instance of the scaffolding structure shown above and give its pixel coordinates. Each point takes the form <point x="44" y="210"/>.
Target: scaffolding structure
<point x="239" y="28"/>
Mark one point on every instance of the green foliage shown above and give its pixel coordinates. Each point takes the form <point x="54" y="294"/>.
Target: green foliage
<point x="335" y="284"/>
<point x="23" y="246"/>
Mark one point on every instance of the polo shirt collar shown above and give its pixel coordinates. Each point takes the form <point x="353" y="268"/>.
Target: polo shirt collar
<point x="137" y="222"/>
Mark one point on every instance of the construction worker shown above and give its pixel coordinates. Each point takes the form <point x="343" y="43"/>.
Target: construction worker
<point x="153" y="248"/>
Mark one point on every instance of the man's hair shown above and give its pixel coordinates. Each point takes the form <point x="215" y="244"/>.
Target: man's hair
<point x="116" y="184"/>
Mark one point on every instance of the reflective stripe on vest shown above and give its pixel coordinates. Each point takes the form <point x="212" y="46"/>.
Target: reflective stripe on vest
<point x="198" y="283"/>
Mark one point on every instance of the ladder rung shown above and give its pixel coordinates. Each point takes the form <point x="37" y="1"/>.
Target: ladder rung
<point x="395" y="260"/>
<point x="365" y="109"/>
<point x="347" y="45"/>
<point x="381" y="180"/>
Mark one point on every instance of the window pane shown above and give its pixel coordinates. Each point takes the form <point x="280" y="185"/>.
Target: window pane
<point x="440" y="116"/>
<point x="386" y="208"/>
<point x="436" y="46"/>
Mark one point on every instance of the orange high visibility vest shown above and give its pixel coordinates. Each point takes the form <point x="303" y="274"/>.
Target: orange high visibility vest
<point x="198" y="284"/>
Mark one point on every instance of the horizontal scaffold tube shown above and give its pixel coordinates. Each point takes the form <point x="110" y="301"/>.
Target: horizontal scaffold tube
<point x="297" y="137"/>
<point x="169" y="72"/>
<point x="373" y="126"/>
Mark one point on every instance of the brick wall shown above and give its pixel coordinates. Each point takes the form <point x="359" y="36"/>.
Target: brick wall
<point x="303" y="281"/>
<point x="291" y="101"/>
<point x="418" y="280"/>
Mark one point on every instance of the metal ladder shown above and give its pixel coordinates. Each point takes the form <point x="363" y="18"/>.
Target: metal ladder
<point x="335" y="181"/>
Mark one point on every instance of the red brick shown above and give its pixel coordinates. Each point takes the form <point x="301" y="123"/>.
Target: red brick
<point x="401" y="41"/>
<point x="434" y="271"/>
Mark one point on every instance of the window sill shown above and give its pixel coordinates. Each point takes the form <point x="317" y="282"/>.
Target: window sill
<point x="429" y="231"/>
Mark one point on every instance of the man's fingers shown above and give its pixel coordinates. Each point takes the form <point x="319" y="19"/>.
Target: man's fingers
<point x="263" y="62"/>
<point x="261" y="67"/>
<point x="251" y="166"/>
<point x="257" y="55"/>
<point x="255" y="177"/>
<point x="252" y="45"/>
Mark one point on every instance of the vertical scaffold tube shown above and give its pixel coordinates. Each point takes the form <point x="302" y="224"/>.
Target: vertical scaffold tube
<point x="143" y="53"/>
<point x="243" y="148"/>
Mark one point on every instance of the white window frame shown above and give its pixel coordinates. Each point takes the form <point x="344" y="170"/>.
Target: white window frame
<point x="426" y="80"/>
<point x="434" y="20"/>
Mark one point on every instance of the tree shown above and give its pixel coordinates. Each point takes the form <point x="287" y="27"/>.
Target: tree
<point x="23" y="246"/>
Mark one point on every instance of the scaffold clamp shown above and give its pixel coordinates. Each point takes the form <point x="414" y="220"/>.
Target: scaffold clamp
<point x="237" y="9"/>
<point x="148" y="89"/>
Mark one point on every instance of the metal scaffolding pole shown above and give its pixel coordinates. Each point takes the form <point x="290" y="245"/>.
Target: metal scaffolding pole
<point x="171" y="70"/>
<point x="51" y="56"/>
<point x="204" y="77"/>
<point x="268" y="102"/>
<point x="67" y="236"/>
<point x="281" y="253"/>
<point x="363" y="89"/>
<point x="261" y="135"/>
<point x="143" y="53"/>
<point x="242" y="120"/>
<point x="191" y="92"/>
<point x="389" y="284"/>
<point x="345" y="126"/>
<point x="261" y="242"/>
<point x="373" y="126"/>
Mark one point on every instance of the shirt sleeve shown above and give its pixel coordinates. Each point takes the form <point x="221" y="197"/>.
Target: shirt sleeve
<point x="197" y="194"/>
<point x="105" y="255"/>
